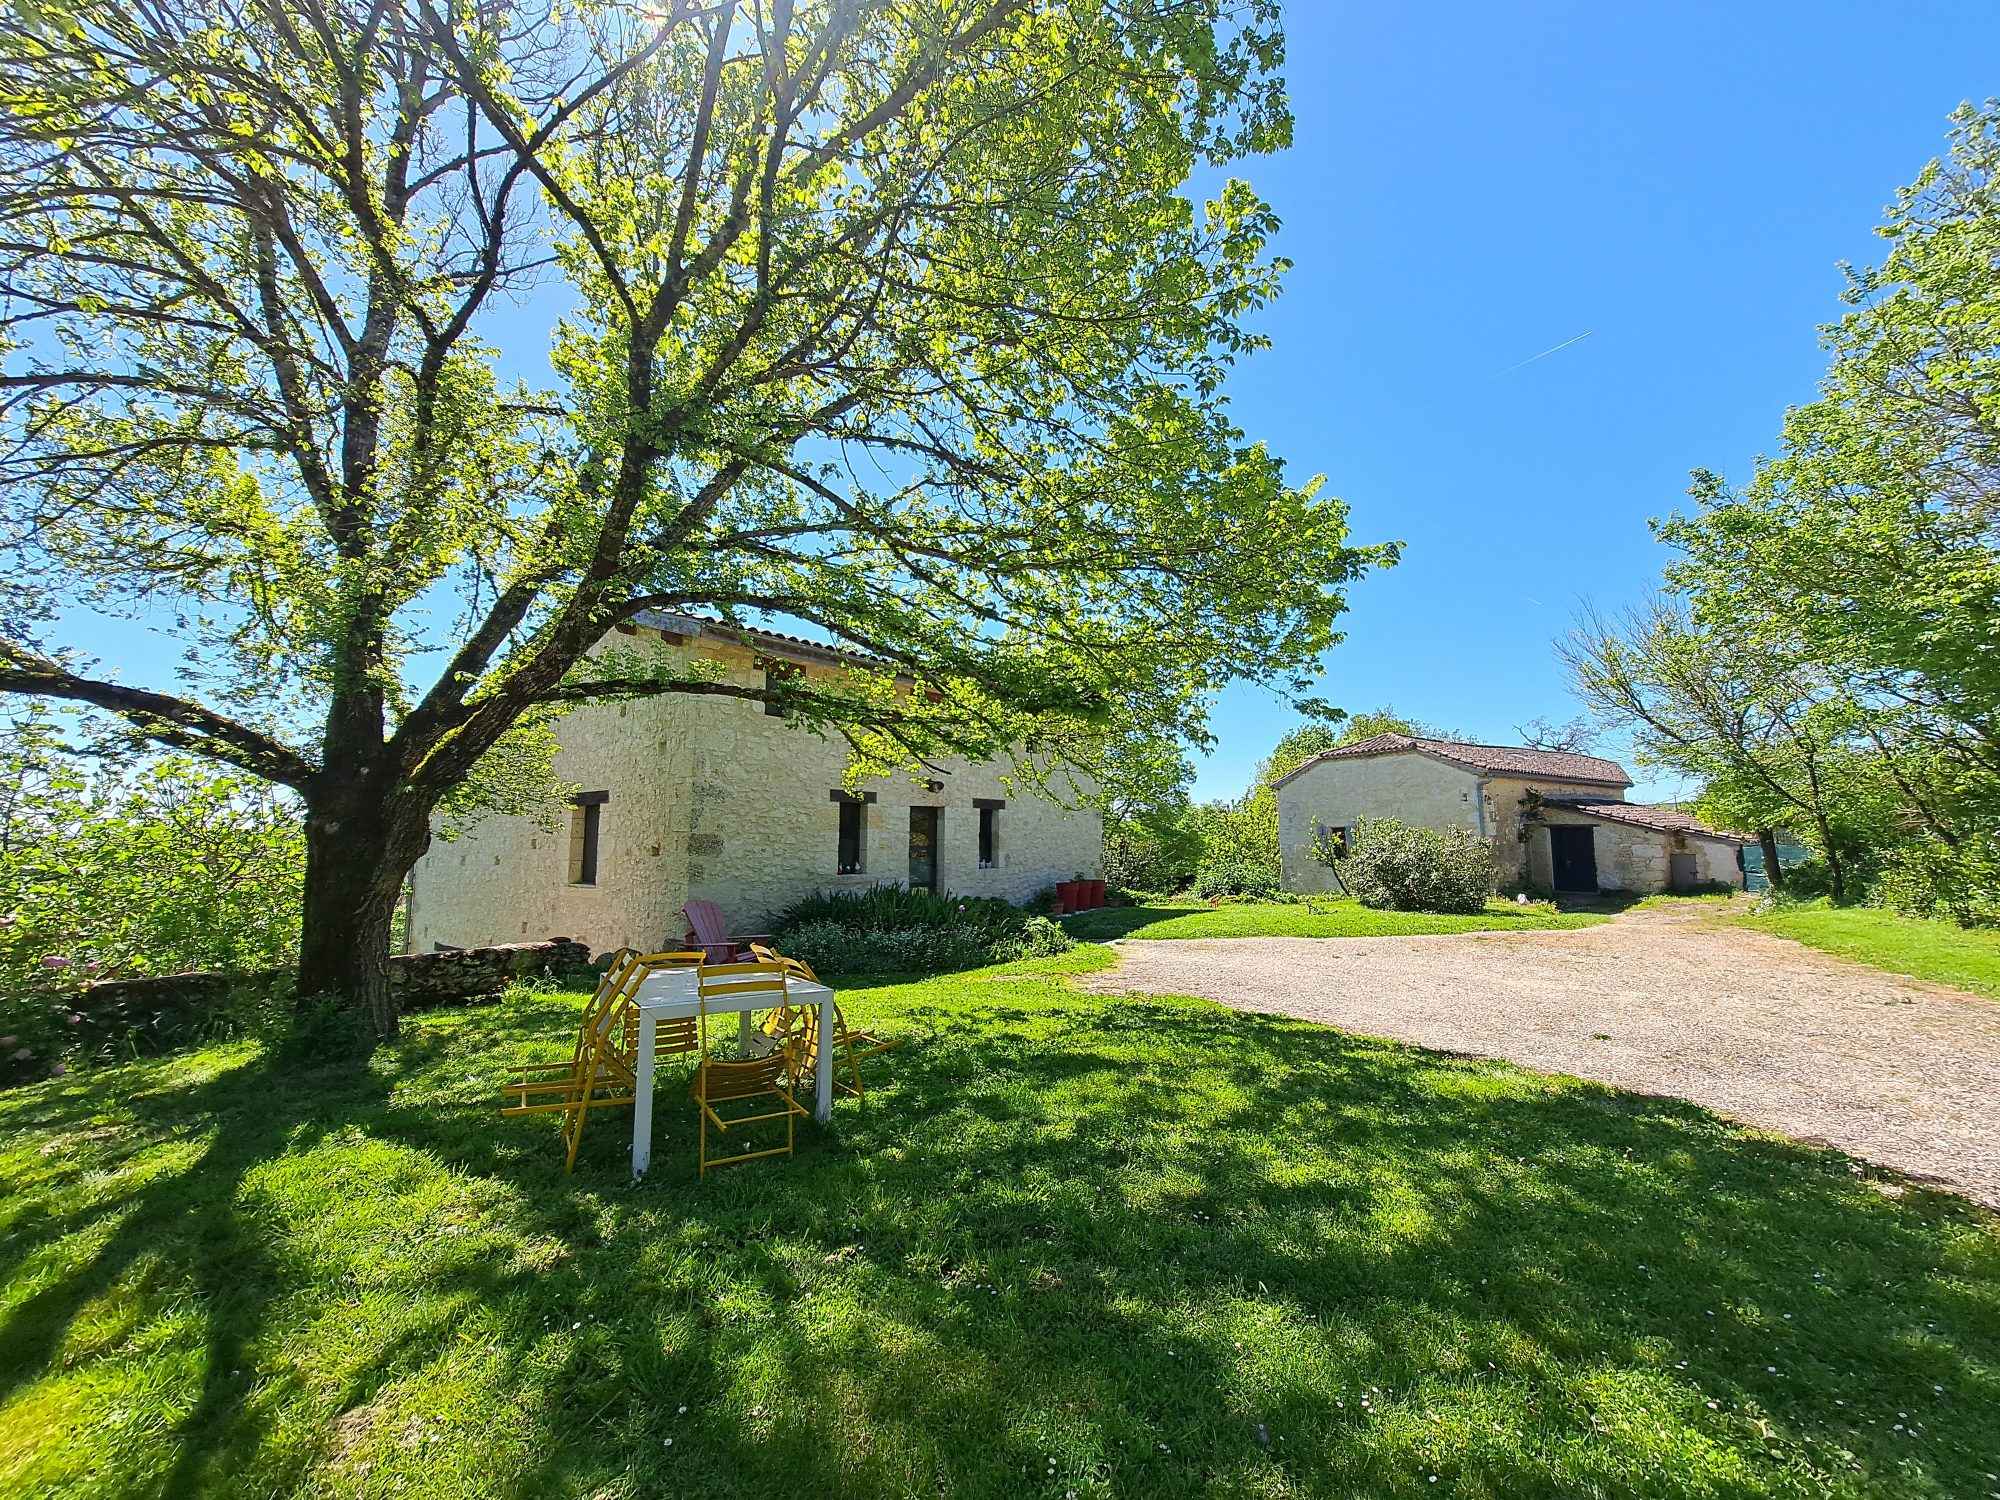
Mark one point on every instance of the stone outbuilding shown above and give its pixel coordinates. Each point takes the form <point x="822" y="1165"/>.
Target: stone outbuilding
<point x="1555" y="820"/>
<point x="697" y="795"/>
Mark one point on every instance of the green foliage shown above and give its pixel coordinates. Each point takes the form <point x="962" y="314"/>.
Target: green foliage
<point x="1227" y="878"/>
<point x="837" y="948"/>
<point x="1777" y="741"/>
<point x="896" y="906"/>
<point x="113" y="871"/>
<point x="889" y="929"/>
<point x="1157" y="851"/>
<point x="1242" y="834"/>
<point x="1828" y="663"/>
<point x="1041" y="938"/>
<point x="1960" y="882"/>
<point x="516" y="778"/>
<point x="1867" y="544"/>
<point x="1393" y="866"/>
<point x="260" y="400"/>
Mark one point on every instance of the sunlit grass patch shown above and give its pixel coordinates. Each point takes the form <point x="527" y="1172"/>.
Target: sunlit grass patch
<point x="1334" y="917"/>
<point x="1941" y="952"/>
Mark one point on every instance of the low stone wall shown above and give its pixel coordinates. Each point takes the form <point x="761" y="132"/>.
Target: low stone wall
<point x="423" y="980"/>
<point x="158" y="1011"/>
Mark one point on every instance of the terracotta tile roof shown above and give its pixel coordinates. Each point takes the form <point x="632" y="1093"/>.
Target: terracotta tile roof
<point x="1487" y="760"/>
<point x="1665" y="819"/>
<point x="776" y="642"/>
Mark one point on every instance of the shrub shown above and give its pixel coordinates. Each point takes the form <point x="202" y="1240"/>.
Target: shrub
<point x="833" y="948"/>
<point x="892" y="906"/>
<point x="1956" y="882"/>
<point x="1041" y="938"/>
<point x="110" y="871"/>
<point x="1393" y="866"/>
<point x="1232" y="878"/>
<point x="1157" y="853"/>
<point x="890" y="929"/>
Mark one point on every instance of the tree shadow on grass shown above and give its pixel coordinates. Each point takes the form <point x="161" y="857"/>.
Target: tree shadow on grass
<point x="1009" y="1201"/>
<point x="1071" y="1235"/>
<point x="177" y="1231"/>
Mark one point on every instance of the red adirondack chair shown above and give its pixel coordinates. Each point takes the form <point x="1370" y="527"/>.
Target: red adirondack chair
<point x="708" y="932"/>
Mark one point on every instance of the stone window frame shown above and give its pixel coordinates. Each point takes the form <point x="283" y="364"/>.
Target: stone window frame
<point x="990" y="853"/>
<point x="586" y="837"/>
<point x="859" y="802"/>
<point x="777" y="673"/>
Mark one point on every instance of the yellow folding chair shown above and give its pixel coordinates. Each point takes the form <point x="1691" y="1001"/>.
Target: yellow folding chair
<point x="753" y="1081"/>
<point x="783" y="1020"/>
<point x="598" y="1073"/>
<point x="670" y="1038"/>
<point x="601" y="1070"/>
<point x="849" y="1047"/>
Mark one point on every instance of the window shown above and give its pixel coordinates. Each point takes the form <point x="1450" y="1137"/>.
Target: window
<point x="1336" y="841"/>
<point x="853" y="826"/>
<point x="586" y="820"/>
<point x="779" y="675"/>
<point x="989" y="838"/>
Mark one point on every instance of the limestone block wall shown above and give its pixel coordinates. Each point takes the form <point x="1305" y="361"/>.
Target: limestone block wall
<point x="1631" y="858"/>
<point x="506" y="879"/>
<point x="764" y="826"/>
<point x="1511" y="857"/>
<point x="1339" y="793"/>
<point x="713" y="797"/>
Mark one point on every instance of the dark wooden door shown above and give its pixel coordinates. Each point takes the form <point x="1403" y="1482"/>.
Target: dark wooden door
<point x="923" y="848"/>
<point x="1573" y="851"/>
<point x="1681" y="870"/>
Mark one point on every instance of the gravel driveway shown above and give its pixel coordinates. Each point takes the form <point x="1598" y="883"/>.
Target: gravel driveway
<point x="1774" y="1034"/>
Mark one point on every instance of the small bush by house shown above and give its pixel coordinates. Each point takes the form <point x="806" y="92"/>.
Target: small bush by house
<point x="1393" y="866"/>
<point x="893" y="930"/>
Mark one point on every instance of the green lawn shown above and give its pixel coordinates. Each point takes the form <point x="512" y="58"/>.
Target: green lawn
<point x="1339" y="918"/>
<point x="1070" y="1244"/>
<point x="1938" y="951"/>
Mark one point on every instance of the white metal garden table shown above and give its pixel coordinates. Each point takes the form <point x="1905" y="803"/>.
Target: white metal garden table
<point x="675" y="995"/>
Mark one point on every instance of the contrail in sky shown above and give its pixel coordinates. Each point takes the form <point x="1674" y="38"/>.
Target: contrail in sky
<point x="1547" y="352"/>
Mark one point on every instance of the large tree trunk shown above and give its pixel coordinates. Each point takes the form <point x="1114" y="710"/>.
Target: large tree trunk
<point x="358" y="852"/>
<point x="1767" y="840"/>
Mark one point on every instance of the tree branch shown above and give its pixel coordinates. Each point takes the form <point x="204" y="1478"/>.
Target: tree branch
<point x="173" y="721"/>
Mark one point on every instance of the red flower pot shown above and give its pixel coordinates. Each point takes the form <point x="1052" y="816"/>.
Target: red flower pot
<point x="1096" y="892"/>
<point x="1068" y="896"/>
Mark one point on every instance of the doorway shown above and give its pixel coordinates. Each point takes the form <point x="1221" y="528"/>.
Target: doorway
<point x="923" y="848"/>
<point x="1573" y="853"/>
<point x="1681" y="870"/>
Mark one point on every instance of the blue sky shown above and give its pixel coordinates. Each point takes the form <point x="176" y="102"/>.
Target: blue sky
<point x="1471" y="184"/>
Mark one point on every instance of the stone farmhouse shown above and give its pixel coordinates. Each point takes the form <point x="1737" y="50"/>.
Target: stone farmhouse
<point x="1555" y="820"/>
<point x="689" y="795"/>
